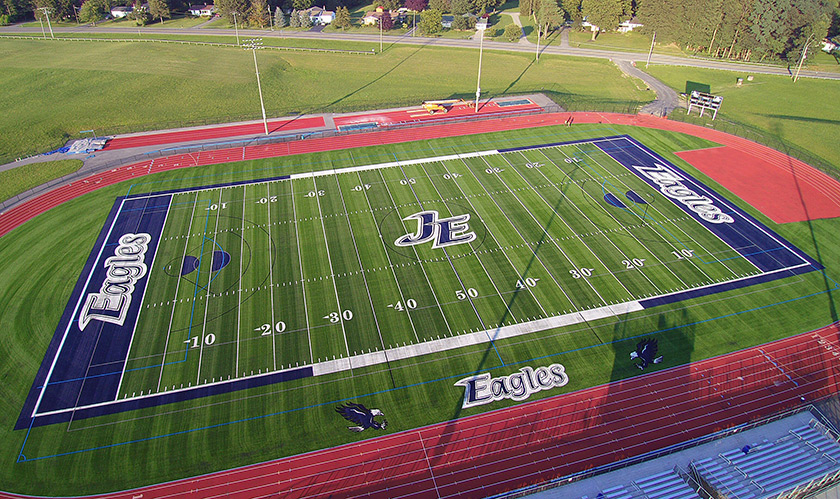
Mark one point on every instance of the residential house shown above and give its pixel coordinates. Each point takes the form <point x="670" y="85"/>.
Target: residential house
<point x="830" y="44"/>
<point x="205" y="10"/>
<point x="319" y="15"/>
<point x="629" y="25"/>
<point x="372" y="17"/>
<point x="121" y="11"/>
<point x="447" y="19"/>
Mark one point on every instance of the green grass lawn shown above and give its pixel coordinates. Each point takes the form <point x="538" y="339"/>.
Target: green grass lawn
<point x="22" y="178"/>
<point x="804" y="113"/>
<point x="58" y="242"/>
<point x="52" y="94"/>
<point x="629" y="42"/>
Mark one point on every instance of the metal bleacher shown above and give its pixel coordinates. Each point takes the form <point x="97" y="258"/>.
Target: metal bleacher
<point x="768" y="469"/>
<point x="665" y="485"/>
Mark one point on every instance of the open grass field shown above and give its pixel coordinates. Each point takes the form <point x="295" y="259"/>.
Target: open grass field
<point x="804" y="113"/>
<point x="555" y="233"/>
<point x="22" y="178"/>
<point x="121" y="87"/>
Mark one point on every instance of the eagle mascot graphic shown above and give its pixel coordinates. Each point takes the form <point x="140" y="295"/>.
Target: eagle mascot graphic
<point x="361" y="416"/>
<point x="646" y="353"/>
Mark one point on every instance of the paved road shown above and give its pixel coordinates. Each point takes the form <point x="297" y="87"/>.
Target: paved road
<point x="560" y="49"/>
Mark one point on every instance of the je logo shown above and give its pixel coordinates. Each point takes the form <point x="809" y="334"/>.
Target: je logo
<point x="442" y="232"/>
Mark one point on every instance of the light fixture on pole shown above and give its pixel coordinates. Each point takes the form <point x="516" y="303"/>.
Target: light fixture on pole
<point x="254" y="44"/>
<point x="236" y="28"/>
<point x="46" y="11"/>
<point x="480" y="31"/>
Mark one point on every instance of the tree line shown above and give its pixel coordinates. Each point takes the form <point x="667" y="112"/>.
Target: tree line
<point x="735" y="29"/>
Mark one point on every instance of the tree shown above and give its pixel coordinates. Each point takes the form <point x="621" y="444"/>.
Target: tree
<point x="140" y="15"/>
<point x="513" y="32"/>
<point x="572" y="9"/>
<point x="440" y="5"/>
<point x="294" y="19"/>
<point x="159" y="9"/>
<point x="301" y="4"/>
<point x="279" y="18"/>
<point x="431" y="22"/>
<point x="342" y="18"/>
<point x="605" y="14"/>
<point x="258" y="13"/>
<point x="92" y="11"/>
<point x="416" y="6"/>
<point x="547" y="14"/>
<point x="460" y="7"/>
<point x="387" y="21"/>
<point x="305" y="20"/>
<point x="526" y="7"/>
<point x="226" y="8"/>
<point x="390" y="4"/>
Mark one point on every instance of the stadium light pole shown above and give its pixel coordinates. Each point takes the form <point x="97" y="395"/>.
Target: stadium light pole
<point x="650" y="52"/>
<point x="47" y="13"/>
<point x="253" y="45"/>
<point x="236" y="28"/>
<point x="480" y="53"/>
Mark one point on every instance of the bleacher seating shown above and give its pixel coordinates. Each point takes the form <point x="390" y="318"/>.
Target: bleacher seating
<point x="771" y="468"/>
<point x="665" y="485"/>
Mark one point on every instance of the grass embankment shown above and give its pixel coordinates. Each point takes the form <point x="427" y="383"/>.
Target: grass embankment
<point x="54" y="88"/>
<point x="57" y="243"/>
<point x="805" y="114"/>
<point x="22" y="178"/>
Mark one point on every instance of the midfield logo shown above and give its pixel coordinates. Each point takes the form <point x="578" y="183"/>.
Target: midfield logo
<point x="442" y="232"/>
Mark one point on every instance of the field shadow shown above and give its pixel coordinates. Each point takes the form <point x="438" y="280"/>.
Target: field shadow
<point x="806" y="119"/>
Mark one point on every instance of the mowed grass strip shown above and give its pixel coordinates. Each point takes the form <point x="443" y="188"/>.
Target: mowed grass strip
<point x="262" y="424"/>
<point x="55" y="89"/>
<point x="22" y="178"/>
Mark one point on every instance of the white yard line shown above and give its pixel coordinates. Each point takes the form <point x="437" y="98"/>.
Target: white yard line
<point x="416" y="255"/>
<point x="239" y="287"/>
<point x="498" y="244"/>
<point x="600" y="203"/>
<point x="332" y="272"/>
<point x="300" y="268"/>
<point x="560" y="217"/>
<point x="662" y="215"/>
<point x="388" y="256"/>
<point x="207" y="297"/>
<point x="271" y="276"/>
<point x="516" y="229"/>
<point x="498" y="293"/>
<point x="361" y="266"/>
<point x="142" y="300"/>
<point x="177" y="287"/>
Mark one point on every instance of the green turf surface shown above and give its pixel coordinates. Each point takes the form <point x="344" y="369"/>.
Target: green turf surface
<point x="57" y="244"/>
<point x="804" y="113"/>
<point x="25" y="177"/>
<point x="55" y="89"/>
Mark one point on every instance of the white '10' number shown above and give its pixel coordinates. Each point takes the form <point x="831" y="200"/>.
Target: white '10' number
<point x="195" y="341"/>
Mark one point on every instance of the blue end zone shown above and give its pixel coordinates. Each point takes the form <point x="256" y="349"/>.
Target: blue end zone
<point x="90" y="358"/>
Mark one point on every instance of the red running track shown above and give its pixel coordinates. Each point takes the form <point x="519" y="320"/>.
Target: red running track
<point x="418" y="114"/>
<point x="155" y="139"/>
<point x="555" y="437"/>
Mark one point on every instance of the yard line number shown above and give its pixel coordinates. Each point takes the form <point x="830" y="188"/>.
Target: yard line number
<point x="635" y="263"/>
<point x="335" y="317"/>
<point x="266" y="329"/>
<point x="462" y="295"/>
<point x="195" y="341"/>
<point x="581" y="272"/>
<point x="410" y="304"/>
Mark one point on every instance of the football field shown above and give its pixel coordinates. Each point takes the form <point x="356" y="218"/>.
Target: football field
<point x="210" y="290"/>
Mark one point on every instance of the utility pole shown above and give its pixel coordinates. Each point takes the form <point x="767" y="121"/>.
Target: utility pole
<point x="380" y="31"/>
<point x="253" y="45"/>
<point x="236" y="28"/>
<point x="539" y="32"/>
<point x="478" y="82"/>
<point x="46" y="11"/>
<point x="650" y="53"/>
<point x="270" y="18"/>
<point x="802" y="59"/>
